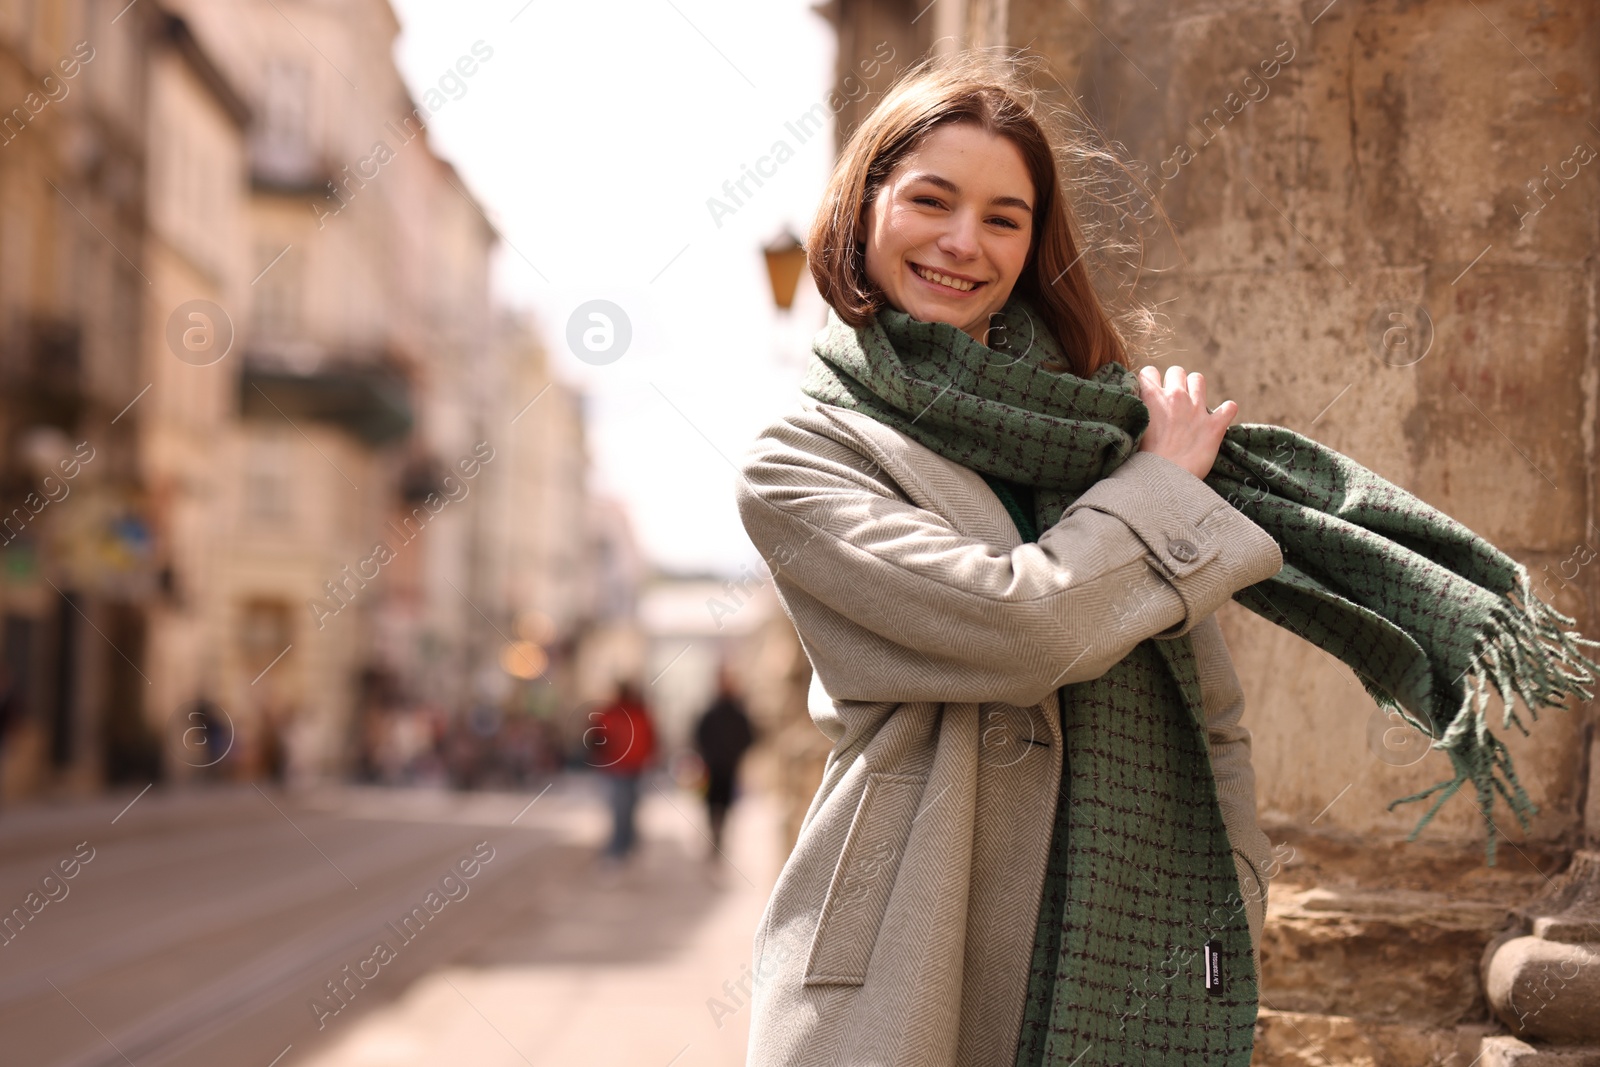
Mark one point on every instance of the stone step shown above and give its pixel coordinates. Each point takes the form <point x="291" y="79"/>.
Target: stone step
<point x="1297" y="1039"/>
<point x="1389" y="931"/>
<point x="1373" y="950"/>
<point x="1389" y="955"/>
<point x="1510" y="1052"/>
<point x="1300" y="1039"/>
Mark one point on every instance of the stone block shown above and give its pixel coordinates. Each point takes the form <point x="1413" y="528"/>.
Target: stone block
<point x="1510" y="1052"/>
<point x="1548" y="989"/>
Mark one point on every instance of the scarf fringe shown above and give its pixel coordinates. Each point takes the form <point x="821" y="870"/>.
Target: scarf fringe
<point x="1523" y="651"/>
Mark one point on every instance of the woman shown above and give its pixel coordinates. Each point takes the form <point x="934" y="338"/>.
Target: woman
<point x="1035" y="838"/>
<point x="942" y="635"/>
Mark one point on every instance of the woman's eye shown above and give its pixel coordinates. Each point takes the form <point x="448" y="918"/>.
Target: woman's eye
<point x="1002" y="220"/>
<point x="926" y="200"/>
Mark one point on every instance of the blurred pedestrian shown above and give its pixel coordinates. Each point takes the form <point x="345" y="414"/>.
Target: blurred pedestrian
<point x="10" y="709"/>
<point x="721" y="736"/>
<point x="622" y="743"/>
<point x="209" y="738"/>
<point x="274" y="744"/>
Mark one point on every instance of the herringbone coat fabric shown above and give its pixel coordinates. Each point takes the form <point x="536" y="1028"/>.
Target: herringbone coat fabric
<point x="902" y="925"/>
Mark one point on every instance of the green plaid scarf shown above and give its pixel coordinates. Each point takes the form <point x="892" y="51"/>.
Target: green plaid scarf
<point x="1141" y="875"/>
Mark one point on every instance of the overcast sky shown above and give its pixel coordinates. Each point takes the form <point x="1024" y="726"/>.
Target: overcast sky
<point x="594" y="136"/>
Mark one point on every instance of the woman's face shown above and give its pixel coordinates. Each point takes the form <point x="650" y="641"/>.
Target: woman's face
<point x="948" y="233"/>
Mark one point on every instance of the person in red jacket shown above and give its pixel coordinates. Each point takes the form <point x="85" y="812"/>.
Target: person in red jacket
<point x="622" y="744"/>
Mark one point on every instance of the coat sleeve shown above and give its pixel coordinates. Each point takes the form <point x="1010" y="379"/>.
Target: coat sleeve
<point x="893" y="603"/>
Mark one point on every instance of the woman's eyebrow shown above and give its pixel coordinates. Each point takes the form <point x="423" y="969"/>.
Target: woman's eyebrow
<point x="951" y="187"/>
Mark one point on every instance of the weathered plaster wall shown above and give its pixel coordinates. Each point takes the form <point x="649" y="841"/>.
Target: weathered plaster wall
<point x="1381" y="180"/>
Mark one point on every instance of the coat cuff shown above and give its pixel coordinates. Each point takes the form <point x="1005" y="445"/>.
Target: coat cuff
<point x="1203" y="546"/>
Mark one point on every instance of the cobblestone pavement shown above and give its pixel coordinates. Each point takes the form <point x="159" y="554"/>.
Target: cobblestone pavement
<point x="611" y="967"/>
<point x="240" y="925"/>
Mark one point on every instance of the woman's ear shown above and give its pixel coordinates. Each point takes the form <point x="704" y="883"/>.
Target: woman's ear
<point x="863" y="221"/>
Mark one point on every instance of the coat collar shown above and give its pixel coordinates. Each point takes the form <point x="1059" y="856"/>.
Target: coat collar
<point x="957" y="494"/>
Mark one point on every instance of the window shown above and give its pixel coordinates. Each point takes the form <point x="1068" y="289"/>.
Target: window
<point x="264" y="633"/>
<point x="282" y="141"/>
<point x="285" y="119"/>
<point x="269" y="465"/>
<point x="277" y="308"/>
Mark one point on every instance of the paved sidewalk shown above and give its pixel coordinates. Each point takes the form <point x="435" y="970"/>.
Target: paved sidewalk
<point x="607" y="967"/>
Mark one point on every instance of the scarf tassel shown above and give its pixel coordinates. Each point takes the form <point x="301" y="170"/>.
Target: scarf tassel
<point x="1523" y="651"/>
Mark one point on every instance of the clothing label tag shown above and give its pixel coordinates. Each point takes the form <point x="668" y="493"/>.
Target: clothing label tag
<point x="1213" y="964"/>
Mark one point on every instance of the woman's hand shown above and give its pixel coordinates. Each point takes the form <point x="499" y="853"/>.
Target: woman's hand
<point x="1181" y="428"/>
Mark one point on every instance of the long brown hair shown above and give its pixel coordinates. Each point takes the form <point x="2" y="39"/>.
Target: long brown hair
<point x="978" y="88"/>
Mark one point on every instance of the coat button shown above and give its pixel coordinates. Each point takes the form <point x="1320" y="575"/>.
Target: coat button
<point x="1182" y="551"/>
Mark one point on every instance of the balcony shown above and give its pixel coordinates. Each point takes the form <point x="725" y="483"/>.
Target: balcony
<point x="368" y="400"/>
<point x="287" y="167"/>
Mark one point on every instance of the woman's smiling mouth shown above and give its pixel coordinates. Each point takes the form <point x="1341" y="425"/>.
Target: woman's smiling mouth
<point x="945" y="282"/>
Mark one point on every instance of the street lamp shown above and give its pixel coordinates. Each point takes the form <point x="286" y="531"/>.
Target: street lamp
<point x="786" y="258"/>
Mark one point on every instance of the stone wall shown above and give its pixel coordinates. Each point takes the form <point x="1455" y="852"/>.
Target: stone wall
<point x="1360" y="258"/>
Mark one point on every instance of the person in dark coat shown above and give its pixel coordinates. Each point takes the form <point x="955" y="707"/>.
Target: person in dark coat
<point x="721" y="737"/>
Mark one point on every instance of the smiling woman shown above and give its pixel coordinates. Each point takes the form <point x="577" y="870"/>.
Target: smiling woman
<point x="1031" y="804"/>
<point x="1035" y="840"/>
<point x="955" y="182"/>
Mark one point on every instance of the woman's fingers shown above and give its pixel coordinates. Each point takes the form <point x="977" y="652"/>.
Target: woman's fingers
<point x="1193" y="383"/>
<point x="1188" y="434"/>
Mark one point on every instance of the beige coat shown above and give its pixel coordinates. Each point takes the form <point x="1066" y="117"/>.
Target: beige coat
<point x="901" y="928"/>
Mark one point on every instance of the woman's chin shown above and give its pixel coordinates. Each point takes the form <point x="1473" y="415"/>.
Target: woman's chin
<point x="962" y="323"/>
<point x="923" y="313"/>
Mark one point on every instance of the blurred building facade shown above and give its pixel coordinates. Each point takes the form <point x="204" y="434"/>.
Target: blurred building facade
<point x="74" y="279"/>
<point x="197" y="205"/>
<point x="277" y="470"/>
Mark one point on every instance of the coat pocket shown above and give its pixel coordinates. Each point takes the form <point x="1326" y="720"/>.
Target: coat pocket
<point x="863" y="879"/>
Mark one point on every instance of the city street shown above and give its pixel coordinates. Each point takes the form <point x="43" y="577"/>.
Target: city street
<point x="239" y="925"/>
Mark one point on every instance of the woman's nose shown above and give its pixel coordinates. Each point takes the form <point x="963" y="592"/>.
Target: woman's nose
<point x="960" y="238"/>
